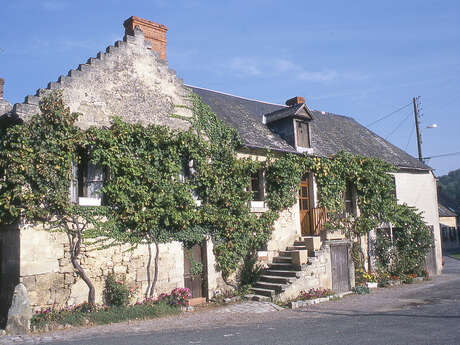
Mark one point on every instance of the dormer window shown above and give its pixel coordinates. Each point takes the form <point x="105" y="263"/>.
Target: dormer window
<point x="292" y="123"/>
<point x="302" y="134"/>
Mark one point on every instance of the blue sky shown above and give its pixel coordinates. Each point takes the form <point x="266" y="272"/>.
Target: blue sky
<point x="362" y="59"/>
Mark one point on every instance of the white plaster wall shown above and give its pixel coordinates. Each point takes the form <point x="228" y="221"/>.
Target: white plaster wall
<point x="286" y="230"/>
<point x="418" y="189"/>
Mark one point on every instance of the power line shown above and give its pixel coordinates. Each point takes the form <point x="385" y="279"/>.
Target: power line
<point x="410" y="137"/>
<point x="443" y="155"/>
<point x="398" y="126"/>
<point x="388" y="115"/>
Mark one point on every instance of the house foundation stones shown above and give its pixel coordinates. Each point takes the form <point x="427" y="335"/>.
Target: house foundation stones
<point x="19" y="314"/>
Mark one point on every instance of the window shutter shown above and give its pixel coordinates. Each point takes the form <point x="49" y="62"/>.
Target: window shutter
<point x="74" y="184"/>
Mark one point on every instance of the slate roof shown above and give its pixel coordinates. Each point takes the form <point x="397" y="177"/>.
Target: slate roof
<point x="330" y="133"/>
<point x="445" y="212"/>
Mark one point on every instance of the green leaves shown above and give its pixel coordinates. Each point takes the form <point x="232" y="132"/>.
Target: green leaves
<point x="155" y="175"/>
<point x="36" y="161"/>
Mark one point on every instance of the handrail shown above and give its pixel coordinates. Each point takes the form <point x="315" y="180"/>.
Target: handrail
<point x="319" y="219"/>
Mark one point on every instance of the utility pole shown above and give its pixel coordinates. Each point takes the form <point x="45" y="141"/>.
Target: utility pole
<point x="419" y="136"/>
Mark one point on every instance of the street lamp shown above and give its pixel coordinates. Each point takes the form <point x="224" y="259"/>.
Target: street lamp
<point x="419" y="134"/>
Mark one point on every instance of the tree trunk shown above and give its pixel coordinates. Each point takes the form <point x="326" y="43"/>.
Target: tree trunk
<point x="155" y="276"/>
<point x="225" y="279"/>
<point x="149" y="264"/>
<point x="74" y="258"/>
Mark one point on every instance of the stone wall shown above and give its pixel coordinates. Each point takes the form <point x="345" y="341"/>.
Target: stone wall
<point x="317" y="274"/>
<point x="128" y="80"/>
<point x="50" y="279"/>
<point x="286" y="231"/>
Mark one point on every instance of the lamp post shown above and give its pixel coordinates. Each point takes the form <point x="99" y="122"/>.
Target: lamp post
<point x="417" y="128"/>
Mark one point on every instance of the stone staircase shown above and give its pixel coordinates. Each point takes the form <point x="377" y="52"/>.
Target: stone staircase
<point x="285" y="270"/>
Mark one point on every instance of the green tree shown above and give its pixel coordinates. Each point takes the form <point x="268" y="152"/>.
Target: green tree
<point x="449" y="189"/>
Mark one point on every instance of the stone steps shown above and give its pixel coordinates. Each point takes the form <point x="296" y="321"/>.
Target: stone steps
<point x="299" y="247"/>
<point x="282" y="266"/>
<point x="282" y="259"/>
<point x="277" y="279"/>
<point x="271" y="286"/>
<point x="281" y="273"/>
<point x="263" y="292"/>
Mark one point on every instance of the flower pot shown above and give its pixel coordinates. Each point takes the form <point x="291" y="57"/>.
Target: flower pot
<point x="371" y="285"/>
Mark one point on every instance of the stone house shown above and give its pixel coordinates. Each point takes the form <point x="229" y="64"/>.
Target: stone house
<point x="132" y="79"/>
<point x="450" y="230"/>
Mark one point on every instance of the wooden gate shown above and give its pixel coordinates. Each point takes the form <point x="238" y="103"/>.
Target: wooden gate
<point x="340" y="267"/>
<point x="194" y="258"/>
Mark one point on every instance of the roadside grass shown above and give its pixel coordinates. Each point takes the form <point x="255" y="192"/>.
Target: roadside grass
<point x="100" y="315"/>
<point x="455" y="255"/>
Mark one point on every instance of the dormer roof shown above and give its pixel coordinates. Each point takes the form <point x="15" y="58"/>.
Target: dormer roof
<point x="299" y="111"/>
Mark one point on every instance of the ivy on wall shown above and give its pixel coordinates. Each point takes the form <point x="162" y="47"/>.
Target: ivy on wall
<point x="156" y="175"/>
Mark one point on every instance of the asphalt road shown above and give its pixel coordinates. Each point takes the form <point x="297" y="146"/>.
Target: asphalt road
<point x="427" y="313"/>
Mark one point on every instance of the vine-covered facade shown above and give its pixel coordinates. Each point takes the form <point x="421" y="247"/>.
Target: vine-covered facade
<point x="231" y="179"/>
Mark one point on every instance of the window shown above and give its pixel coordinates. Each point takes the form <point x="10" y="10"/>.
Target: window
<point x="302" y="133"/>
<point x="256" y="187"/>
<point x="87" y="181"/>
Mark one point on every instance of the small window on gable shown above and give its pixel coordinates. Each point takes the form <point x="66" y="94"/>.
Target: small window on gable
<point x="256" y="187"/>
<point x="302" y="134"/>
<point x="87" y="181"/>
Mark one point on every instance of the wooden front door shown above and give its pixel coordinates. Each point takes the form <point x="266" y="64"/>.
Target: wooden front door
<point x="340" y="269"/>
<point x="304" y="206"/>
<point x="195" y="258"/>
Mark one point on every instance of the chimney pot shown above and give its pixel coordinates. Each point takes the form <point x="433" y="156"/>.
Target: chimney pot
<point x="153" y="32"/>
<point x="295" y="100"/>
<point x="2" y="82"/>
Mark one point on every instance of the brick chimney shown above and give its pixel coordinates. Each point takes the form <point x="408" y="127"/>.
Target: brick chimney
<point x="153" y="32"/>
<point x="295" y="100"/>
<point x="2" y="82"/>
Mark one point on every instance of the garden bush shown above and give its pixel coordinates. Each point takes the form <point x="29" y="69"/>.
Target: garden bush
<point x="116" y="293"/>
<point x="87" y="313"/>
<point x="314" y="293"/>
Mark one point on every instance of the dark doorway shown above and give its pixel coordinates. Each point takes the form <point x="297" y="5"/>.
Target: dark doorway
<point x="195" y="270"/>
<point x="9" y="268"/>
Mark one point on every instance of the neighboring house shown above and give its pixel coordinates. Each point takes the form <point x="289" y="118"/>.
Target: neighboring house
<point x="450" y="232"/>
<point x="133" y="81"/>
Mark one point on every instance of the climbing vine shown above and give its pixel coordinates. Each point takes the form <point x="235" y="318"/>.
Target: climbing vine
<point x="166" y="185"/>
<point x="36" y="161"/>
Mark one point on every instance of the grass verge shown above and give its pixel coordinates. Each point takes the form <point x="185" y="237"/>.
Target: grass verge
<point x="98" y="315"/>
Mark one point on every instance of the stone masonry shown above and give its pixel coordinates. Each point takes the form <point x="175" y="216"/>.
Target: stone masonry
<point x="50" y="279"/>
<point x="128" y="80"/>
